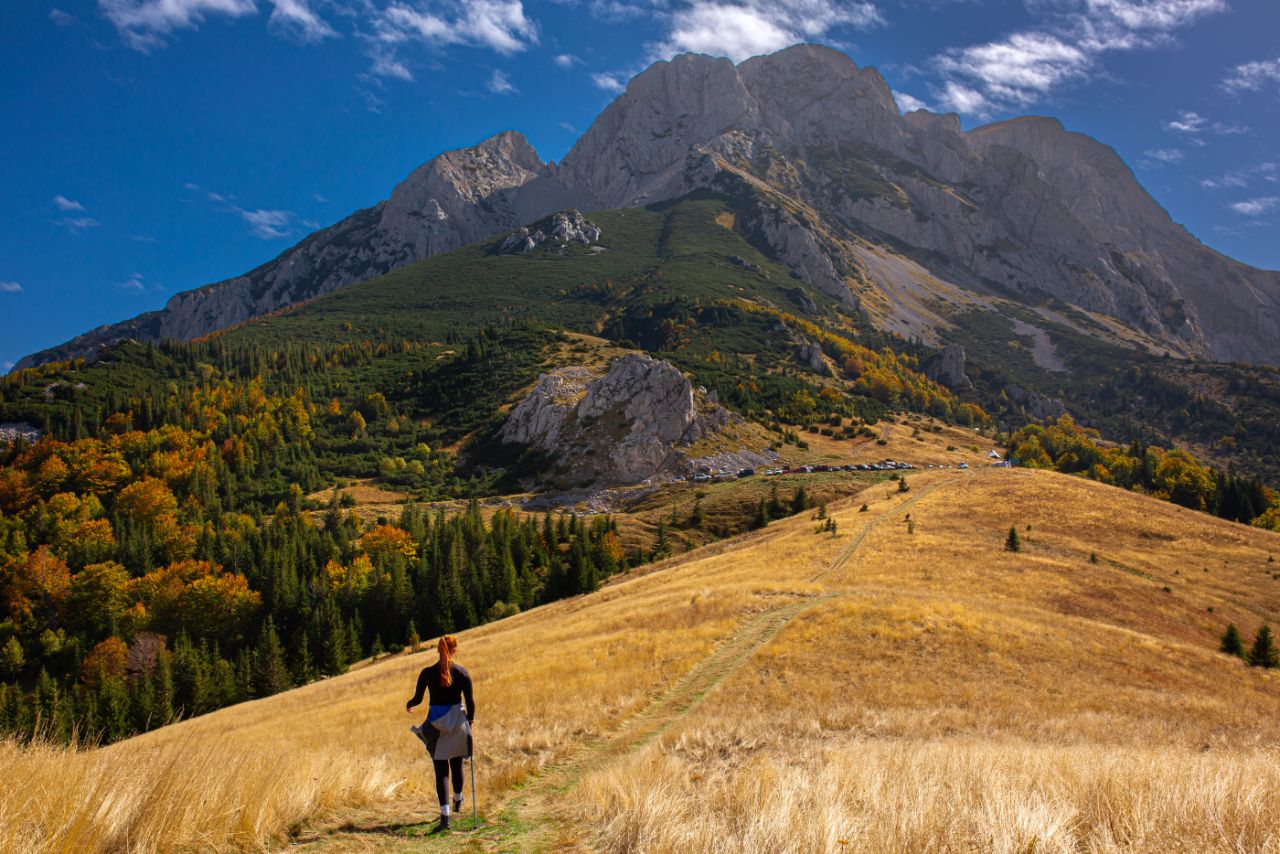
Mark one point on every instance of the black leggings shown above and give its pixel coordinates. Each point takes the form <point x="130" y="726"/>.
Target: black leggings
<point x="443" y="767"/>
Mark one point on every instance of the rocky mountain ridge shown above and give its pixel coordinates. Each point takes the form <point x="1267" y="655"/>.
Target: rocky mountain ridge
<point x="878" y="210"/>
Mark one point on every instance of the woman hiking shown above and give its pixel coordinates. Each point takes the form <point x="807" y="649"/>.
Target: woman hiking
<point x="447" y="730"/>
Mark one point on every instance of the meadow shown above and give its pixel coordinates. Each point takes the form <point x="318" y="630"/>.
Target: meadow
<point x="902" y="684"/>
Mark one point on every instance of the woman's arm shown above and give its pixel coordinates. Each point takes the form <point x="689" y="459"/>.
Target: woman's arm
<point x="417" y="695"/>
<point x="466" y="693"/>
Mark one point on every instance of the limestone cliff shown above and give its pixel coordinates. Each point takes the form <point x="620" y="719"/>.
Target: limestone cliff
<point x="635" y="422"/>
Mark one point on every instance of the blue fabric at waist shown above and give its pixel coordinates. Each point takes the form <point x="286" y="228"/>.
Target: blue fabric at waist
<point x="434" y="712"/>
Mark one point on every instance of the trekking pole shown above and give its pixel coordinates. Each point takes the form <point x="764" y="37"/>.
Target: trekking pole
<point x="474" y="823"/>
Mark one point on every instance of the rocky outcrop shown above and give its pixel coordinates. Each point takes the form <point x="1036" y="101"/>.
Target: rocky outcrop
<point x="1036" y="405"/>
<point x="623" y="427"/>
<point x="947" y="367"/>
<point x="559" y="230"/>
<point x="14" y="431"/>
<point x="811" y="356"/>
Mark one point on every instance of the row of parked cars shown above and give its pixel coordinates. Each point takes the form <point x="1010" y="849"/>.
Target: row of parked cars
<point x="883" y="465"/>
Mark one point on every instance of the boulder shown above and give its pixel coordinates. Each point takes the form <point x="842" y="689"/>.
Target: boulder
<point x="625" y="426"/>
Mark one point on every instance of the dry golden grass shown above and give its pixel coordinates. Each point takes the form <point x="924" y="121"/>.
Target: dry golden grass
<point x="926" y="691"/>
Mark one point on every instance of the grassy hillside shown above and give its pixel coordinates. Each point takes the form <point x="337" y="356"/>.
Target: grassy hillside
<point x="904" y="684"/>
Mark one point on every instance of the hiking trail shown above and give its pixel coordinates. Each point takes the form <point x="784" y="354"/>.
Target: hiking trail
<point x="525" y="819"/>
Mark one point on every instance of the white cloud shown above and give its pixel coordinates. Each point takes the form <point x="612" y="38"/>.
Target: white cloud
<point x="1253" y="76"/>
<point x="1023" y="67"/>
<point x="1267" y="171"/>
<point x="147" y="24"/>
<point x="319" y="198"/>
<point x="10" y="288"/>
<point x="7" y="365"/>
<point x="1256" y="207"/>
<point x="499" y="25"/>
<point x="61" y="18"/>
<point x="78" y="223"/>
<point x="500" y="84"/>
<point x="744" y="29"/>
<point x="1187" y="122"/>
<point x="65" y="204"/>
<point x="134" y="283"/>
<point x="1164" y="155"/>
<point x="267" y="224"/>
<point x="1231" y="179"/>
<point x="565" y="60"/>
<point x="296" y="19"/>
<point x="608" y="82"/>
<point x="1192" y="123"/>
<point x="908" y="103"/>
<point x="1011" y="72"/>
<point x="1154" y="14"/>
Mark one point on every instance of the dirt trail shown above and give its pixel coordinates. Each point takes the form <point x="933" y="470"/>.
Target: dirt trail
<point x="527" y="819"/>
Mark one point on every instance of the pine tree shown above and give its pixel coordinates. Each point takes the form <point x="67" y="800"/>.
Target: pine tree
<point x="799" y="501"/>
<point x="270" y="674"/>
<point x="902" y="485"/>
<point x="696" y="517"/>
<point x="415" y="642"/>
<point x="761" y="519"/>
<point x="1012" y="543"/>
<point x="1231" y="642"/>
<point x="1263" y="652"/>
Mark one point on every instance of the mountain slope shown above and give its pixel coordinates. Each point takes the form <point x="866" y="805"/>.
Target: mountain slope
<point x="456" y="198"/>
<point x="1022" y="209"/>
<point x="900" y="687"/>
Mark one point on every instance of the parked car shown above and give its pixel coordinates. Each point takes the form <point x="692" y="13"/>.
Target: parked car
<point x="747" y="473"/>
<point x="963" y="466"/>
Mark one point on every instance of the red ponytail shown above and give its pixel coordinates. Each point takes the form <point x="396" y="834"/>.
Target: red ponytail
<point x="447" y="646"/>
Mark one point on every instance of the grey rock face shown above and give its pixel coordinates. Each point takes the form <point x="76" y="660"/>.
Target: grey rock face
<point x="811" y="355"/>
<point x="620" y="428"/>
<point x="1036" y="405"/>
<point x="562" y="229"/>
<point x="947" y="367"/>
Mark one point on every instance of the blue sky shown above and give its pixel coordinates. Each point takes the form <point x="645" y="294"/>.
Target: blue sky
<point x="151" y="146"/>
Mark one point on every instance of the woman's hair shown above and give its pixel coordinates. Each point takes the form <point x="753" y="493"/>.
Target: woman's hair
<point x="447" y="646"/>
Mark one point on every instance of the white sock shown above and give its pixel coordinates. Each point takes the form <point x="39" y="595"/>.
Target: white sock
<point x="457" y="801"/>
<point x="444" y="810"/>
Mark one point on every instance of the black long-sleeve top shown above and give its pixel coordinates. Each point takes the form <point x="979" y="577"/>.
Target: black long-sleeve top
<point x="440" y="695"/>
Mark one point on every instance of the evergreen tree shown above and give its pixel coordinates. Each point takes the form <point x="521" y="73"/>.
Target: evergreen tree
<point x="696" y="517"/>
<point x="799" y="501"/>
<point x="1012" y="543"/>
<point x="270" y="674"/>
<point x="761" y="519"/>
<point x="1231" y="642"/>
<point x="1263" y="652"/>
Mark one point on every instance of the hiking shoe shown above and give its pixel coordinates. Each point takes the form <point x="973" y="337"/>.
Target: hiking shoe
<point x="417" y="730"/>
<point x="442" y="825"/>
<point x="457" y="804"/>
